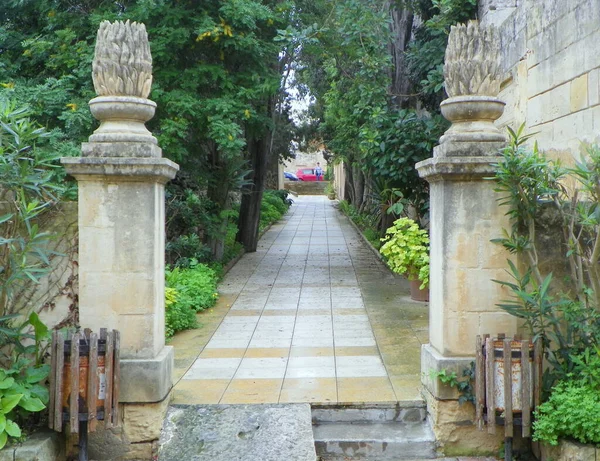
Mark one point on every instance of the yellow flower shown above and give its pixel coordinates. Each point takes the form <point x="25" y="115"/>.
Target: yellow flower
<point x="72" y="106"/>
<point x="51" y="13"/>
<point x="227" y="31"/>
<point x="9" y="85"/>
<point x="247" y="113"/>
<point x="270" y="22"/>
<point x="203" y="36"/>
<point x="230" y="137"/>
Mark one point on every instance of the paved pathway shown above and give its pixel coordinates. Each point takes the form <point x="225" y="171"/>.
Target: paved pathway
<point x="312" y="316"/>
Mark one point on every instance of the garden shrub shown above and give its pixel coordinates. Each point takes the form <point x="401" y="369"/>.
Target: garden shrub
<point x="23" y="390"/>
<point x="273" y="206"/>
<point x="178" y="317"/>
<point x="196" y="286"/>
<point x="188" y="290"/>
<point x="406" y="249"/>
<point x="571" y="412"/>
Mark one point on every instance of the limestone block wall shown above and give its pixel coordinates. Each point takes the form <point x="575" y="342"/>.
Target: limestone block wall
<point x="551" y="51"/>
<point x="458" y="310"/>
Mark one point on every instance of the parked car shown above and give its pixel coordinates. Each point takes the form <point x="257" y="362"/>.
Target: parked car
<point x="290" y="176"/>
<point x="306" y="174"/>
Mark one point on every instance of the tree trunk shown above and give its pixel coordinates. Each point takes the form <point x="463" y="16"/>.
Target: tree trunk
<point x="249" y="219"/>
<point x="358" y="185"/>
<point x="218" y="193"/>
<point x="401" y="27"/>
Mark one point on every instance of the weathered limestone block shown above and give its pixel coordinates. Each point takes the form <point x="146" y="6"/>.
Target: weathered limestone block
<point x="141" y="423"/>
<point x="567" y="450"/>
<point x="454" y="429"/>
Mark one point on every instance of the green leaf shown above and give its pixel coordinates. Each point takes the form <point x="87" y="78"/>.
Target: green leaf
<point x="3" y="439"/>
<point x="12" y="429"/>
<point x="9" y="402"/>
<point x="6" y="383"/>
<point x="36" y="374"/>
<point x="2" y="422"/>
<point x="32" y="404"/>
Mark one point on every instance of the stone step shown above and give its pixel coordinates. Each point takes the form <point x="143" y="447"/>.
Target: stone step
<point x="268" y="432"/>
<point x="408" y="412"/>
<point x="385" y="441"/>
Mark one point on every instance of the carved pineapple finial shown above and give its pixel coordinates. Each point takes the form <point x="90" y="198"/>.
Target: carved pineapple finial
<point x="472" y="61"/>
<point x="122" y="63"/>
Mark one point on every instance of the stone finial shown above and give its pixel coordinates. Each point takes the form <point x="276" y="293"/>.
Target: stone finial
<point x="122" y="63"/>
<point x="472" y="61"/>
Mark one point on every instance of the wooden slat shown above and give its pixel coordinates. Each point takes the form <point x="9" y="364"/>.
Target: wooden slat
<point x="538" y="353"/>
<point x="60" y="364"/>
<point x="92" y="389"/>
<point x="479" y="383"/>
<point x="525" y="387"/>
<point x="116" y="374"/>
<point x="103" y="333"/>
<point x="108" y="373"/>
<point x="489" y="377"/>
<point x="74" y="398"/>
<point x="508" y="407"/>
<point x="52" y="381"/>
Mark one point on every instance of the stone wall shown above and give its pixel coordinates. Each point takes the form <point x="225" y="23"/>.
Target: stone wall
<point x="55" y="298"/>
<point x="551" y="51"/>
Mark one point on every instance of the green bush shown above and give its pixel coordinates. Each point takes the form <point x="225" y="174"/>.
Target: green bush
<point x="188" y="290"/>
<point x="196" y="286"/>
<point x="23" y="390"/>
<point x="273" y="206"/>
<point x="177" y="316"/>
<point x="571" y="412"/>
<point x="406" y="249"/>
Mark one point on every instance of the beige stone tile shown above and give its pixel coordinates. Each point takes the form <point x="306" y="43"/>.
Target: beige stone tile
<point x="252" y="391"/>
<point x="363" y="383"/>
<point x="259" y="352"/>
<point x="309" y="383"/>
<point x="244" y="313"/>
<point x="311" y="351"/>
<point x="242" y="397"/>
<point x="276" y="312"/>
<point x="304" y="312"/>
<point x="316" y="390"/>
<point x="251" y="386"/>
<point x="207" y="391"/>
<point x="222" y="353"/>
<point x="407" y="387"/>
<point x="355" y="350"/>
<point x="366" y="394"/>
<point x="343" y="311"/>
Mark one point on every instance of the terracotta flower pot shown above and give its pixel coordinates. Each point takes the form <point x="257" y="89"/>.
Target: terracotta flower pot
<point x="416" y="294"/>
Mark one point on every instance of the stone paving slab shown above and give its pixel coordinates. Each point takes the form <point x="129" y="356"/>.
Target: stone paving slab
<point x="238" y="433"/>
<point x="312" y="316"/>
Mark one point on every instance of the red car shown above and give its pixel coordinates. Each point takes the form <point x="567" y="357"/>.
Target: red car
<point x="307" y="174"/>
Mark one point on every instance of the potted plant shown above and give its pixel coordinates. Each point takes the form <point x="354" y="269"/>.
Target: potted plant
<point x="406" y="250"/>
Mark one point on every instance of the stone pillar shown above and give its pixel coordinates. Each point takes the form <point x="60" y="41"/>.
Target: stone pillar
<point x="121" y="178"/>
<point x="465" y="216"/>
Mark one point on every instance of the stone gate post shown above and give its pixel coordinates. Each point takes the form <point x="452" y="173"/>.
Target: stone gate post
<point x="121" y="178"/>
<point x="465" y="216"/>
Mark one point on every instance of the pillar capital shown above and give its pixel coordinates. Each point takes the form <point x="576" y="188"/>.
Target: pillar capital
<point x="124" y="169"/>
<point x="457" y="168"/>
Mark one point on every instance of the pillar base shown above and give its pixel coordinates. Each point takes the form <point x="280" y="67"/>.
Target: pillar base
<point x="433" y="362"/>
<point x="147" y="380"/>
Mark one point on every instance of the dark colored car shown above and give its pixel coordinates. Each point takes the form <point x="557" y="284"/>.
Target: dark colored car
<point x="290" y="176"/>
